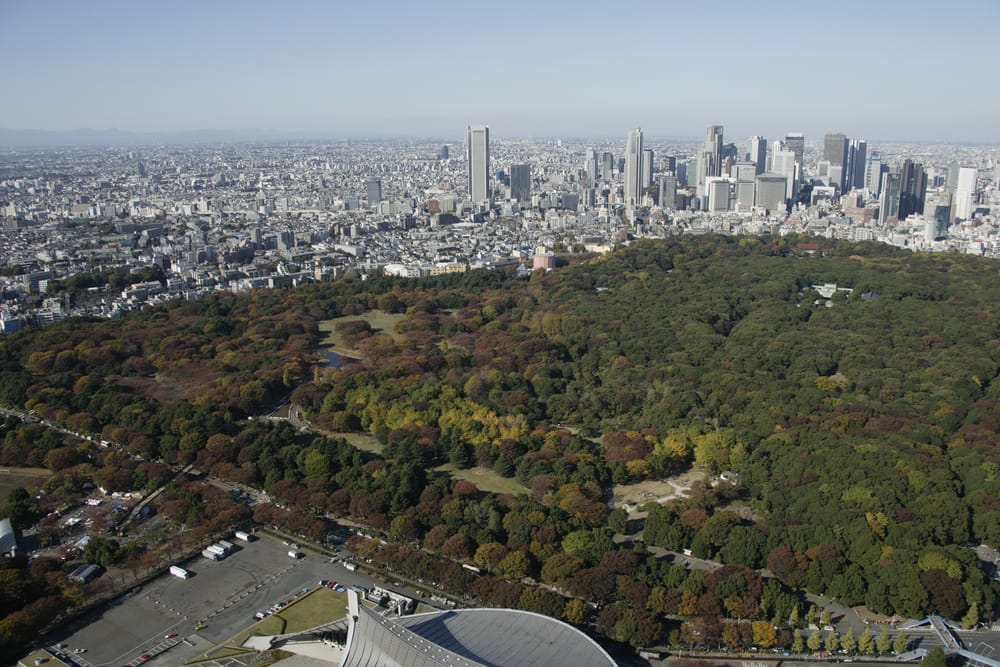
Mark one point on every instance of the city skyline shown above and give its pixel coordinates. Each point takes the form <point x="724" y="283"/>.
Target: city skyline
<point x="390" y="69"/>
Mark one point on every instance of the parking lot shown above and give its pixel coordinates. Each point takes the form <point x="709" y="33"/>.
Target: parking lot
<point x="217" y="601"/>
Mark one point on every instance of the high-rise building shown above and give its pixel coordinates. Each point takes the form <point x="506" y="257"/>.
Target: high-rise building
<point x="835" y="152"/>
<point x="952" y="180"/>
<point x="913" y="189"/>
<point x="520" y="182"/>
<point x="373" y="188"/>
<point x="857" y="153"/>
<point x="647" y="167"/>
<point x="668" y="190"/>
<point x="795" y="142"/>
<point x="607" y="165"/>
<point x="479" y="162"/>
<point x="712" y="152"/>
<point x="633" y="168"/>
<point x="783" y="162"/>
<point x="873" y="173"/>
<point x="757" y="153"/>
<point x="889" y="198"/>
<point x="590" y="166"/>
<point x="770" y="192"/>
<point x="965" y="192"/>
<point x="718" y="190"/>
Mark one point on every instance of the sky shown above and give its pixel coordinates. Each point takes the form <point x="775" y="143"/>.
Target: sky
<point x="881" y="69"/>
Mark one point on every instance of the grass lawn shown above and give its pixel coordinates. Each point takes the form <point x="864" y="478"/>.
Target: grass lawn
<point x="485" y="479"/>
<point x="366" y="442"/>
<point x="317" y="607"/>
<point x="379" y="321"/>
<point x="272" y="625"/>
<point x="29" y="478"/>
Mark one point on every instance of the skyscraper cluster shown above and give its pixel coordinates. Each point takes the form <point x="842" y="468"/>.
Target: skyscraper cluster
<point x="721" y="177"/>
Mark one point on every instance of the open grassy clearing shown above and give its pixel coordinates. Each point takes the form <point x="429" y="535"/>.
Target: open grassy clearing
<point x="317" y="607"/>
<point x="654" y="490"/>
<point x="366" y="442"/>
<point x="485" y="479"/>
<point x="380" y="321"/>
<point x="29" y="478"/>
<point x="320" y="606"/>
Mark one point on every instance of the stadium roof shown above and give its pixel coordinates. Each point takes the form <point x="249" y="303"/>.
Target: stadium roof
<point x="469" y="638"/>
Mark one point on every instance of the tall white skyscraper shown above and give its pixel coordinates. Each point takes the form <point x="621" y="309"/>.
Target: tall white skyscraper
<point x="479" y="162"/>
<point x="783" y="162"/>
<point x="757" y="153"/>
<point x="647" y="167"/>
<point x="965" y="192"/>
<point x="633" y="168"/>
<point x="712" y="152"/>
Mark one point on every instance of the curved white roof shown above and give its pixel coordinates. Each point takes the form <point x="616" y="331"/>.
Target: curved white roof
<point x="469" y="638"/>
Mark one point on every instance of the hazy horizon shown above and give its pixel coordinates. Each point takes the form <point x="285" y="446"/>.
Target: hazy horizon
<point x="895" y="72"/>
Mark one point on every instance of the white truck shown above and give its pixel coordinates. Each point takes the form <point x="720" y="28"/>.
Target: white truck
<point x="295" y="554"/>
<point x="217" y="549"/>
<point x="211" y="555"/>
<point x="228" y="546"/>
<point x="242" y="535"/>
<point x="178" y="571"/>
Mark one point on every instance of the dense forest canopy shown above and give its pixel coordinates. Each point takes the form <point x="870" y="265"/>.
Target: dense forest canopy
<point x="863" y="427"/>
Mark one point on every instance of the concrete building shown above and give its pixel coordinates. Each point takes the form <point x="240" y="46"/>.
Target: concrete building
<point x="479" y="162"/>
<point x="770" y="193"/>
<point x="520" y="182"/>
<point x="874" y="168"/>
<point x="757" y="153"/>
<point x="712" y="152"/>
<point x="647" y="167"/>
<point x="633" y="168"/>
<point x="668" y="190"/>
<point x="783" y="162"/>
<point x="835" y="152"/>
<point x="965" y="192"/>
<point x="718" y="191"/>
<point x="373" y="188"/>
<point x="889" y="199"/>
<point x="913" y="189"/>
<point x="796" y="142"/>
<point x="857" y="154"/>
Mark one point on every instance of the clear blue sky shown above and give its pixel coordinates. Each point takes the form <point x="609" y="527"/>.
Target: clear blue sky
<point x="882" y="69"/>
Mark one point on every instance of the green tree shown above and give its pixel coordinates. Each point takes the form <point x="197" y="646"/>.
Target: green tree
<point x="102" y="551"/>
<point x="618" y="521"/>
<point x="763" y="634"/>
<point x="865" y="641"/>
<point x="883" y="642"/>
<point x="825" y="618"/>
<point x="900" y="643"/>
<point x="575" y="611"/>
<point x="847" y="642"/>
<point x="797" y="643"/>
<point x="934" y="658"/>
<point x="515" y="565"/>
<point x="971" y="617"/>
<point x="814" y="641"/>
<point x="832" y="642"/>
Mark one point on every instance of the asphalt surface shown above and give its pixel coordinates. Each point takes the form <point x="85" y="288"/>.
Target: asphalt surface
<point x="221" y="595"/>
